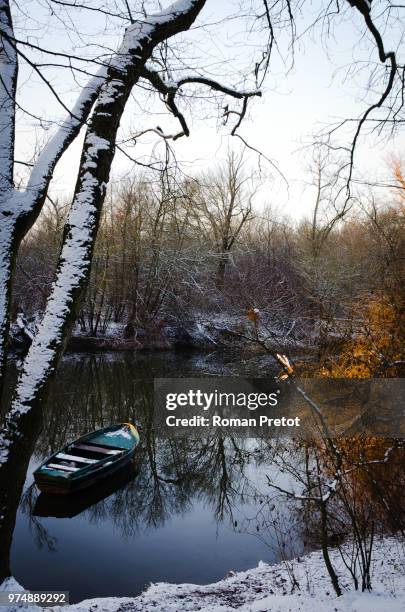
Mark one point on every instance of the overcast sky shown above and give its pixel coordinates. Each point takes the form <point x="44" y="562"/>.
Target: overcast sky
<point x="314" y="93"/>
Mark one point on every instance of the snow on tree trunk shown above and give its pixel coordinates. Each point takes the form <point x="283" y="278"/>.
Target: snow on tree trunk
<point x="8" y="87"/>
<point x="6" y="266"/>
<point x="20" y="209"/>
<point x="74" y="264"/>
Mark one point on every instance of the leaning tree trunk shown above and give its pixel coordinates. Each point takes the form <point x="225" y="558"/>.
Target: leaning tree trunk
<point x="20" y="209"/>
<point x="80" y="232"/>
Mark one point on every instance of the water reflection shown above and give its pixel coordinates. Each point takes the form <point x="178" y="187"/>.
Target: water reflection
<point x="189" y="509"/>
<point x="46" y="505"/>
<point x="181" y="486"/>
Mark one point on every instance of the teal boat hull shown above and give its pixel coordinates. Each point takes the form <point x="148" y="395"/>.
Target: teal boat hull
<point x="70" y="469"/>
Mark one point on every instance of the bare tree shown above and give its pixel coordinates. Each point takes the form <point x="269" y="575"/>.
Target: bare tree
<point x="100" y="106"/>
<point x="224" y="206"/>
<point x="105" y="96"/>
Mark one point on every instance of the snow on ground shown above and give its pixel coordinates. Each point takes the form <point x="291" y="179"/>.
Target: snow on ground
<point x="12" y="585"/>
<point x="268" y="588"/>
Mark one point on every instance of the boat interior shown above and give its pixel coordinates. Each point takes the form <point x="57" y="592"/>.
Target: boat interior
<point x="83" y="454"/>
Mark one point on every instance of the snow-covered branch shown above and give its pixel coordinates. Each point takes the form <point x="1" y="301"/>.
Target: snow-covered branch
<point x="73" y="269"/>
<point x="32" y="198"/>
<point x="20" y="209"/>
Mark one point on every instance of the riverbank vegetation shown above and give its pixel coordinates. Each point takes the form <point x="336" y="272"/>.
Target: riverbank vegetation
<point x="177" y="258"/>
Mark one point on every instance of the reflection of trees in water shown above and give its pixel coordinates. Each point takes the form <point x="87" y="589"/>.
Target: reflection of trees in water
<point x="41" y="536"/>
<point x="172" y="473"/>
<point x="226" y="473"/>
<point x="89" y="394"/>
<point x="95" y="392"/>
<point x="275" y="520"/>
<point x="372" y="490"/>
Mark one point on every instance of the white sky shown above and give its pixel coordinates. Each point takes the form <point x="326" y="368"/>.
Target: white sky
<point x="293" y="107"/>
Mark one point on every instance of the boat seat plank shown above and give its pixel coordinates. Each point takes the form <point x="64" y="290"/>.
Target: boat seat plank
<point x="97" y="449"/>
<point x="74" y="458"/>
<point x="63" y="468"/>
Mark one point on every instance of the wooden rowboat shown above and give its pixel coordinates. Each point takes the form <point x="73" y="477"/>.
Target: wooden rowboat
<point x="88" y="459"/>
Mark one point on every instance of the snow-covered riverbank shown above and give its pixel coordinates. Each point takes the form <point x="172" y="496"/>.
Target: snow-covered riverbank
<point x="199" y="331"/>
<point x="268" y="588"/>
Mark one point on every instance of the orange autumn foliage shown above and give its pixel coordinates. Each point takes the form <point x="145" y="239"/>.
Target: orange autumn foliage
<point x="377" y="348"/>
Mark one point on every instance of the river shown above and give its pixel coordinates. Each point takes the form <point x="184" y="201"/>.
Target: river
<point x="187" y="511"/>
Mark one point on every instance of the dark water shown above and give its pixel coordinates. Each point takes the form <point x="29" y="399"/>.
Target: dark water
<point x="191" y="511"/>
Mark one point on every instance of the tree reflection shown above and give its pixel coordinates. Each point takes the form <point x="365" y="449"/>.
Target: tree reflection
<point x="171" y="473"/>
